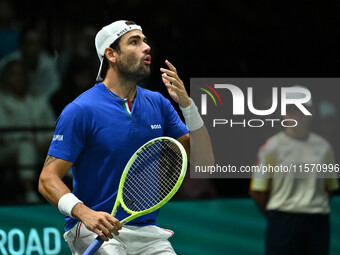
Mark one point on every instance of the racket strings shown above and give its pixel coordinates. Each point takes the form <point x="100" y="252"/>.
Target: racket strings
<point x="151" y="193"/>
<point x="154" y="184"/>
<point x="166" y="164"/>
<point x="154" y="188"/>
<point x="152" y="176"/>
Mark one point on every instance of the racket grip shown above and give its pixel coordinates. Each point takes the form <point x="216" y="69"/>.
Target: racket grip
<point x="95" y="245"/>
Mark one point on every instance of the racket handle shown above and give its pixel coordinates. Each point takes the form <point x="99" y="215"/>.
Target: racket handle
<point x="95" y="245"/>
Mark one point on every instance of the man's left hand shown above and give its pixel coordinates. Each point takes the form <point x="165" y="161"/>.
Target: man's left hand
<point x="175" y="85"/>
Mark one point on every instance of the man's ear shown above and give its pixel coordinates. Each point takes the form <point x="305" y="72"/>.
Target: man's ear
<point x="111" y="54"/>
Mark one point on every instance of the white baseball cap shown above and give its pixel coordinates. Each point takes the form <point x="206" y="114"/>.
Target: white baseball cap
<point x="107" y="35"/>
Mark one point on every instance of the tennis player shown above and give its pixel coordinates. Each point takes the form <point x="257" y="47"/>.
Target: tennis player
<point x="99" y="131"/>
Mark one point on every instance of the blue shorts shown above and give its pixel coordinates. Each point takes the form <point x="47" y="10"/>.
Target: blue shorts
<point x="297" y="234"/>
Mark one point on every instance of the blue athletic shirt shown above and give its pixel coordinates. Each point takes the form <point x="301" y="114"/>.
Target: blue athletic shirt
<point x="99" y="134"/>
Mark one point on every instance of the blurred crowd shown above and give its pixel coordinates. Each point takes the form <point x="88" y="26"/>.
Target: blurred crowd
<point x="48" y="58"/>
<point x="35" y="85"/>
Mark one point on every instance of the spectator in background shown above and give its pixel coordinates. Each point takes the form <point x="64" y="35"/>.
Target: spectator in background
<point x="9" y="29"/>
<point x="77" y="80"/>
<point x="42" y="69"/>
<point x="296" y="207"/>
<point x="18" y="109"/>
<point x="77" y="46"/>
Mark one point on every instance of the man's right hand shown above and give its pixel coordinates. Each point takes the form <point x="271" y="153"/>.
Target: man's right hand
<point x="101" y="223"/>
<point x="53" y="188"/>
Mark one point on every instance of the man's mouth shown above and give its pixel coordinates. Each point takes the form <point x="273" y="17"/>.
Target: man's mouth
<point x="147" y="60"/>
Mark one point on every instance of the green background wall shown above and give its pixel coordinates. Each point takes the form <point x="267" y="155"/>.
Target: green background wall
<point x="223" y="226"/>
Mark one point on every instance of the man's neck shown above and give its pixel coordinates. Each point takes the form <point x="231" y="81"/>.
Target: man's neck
<point x="120" y="86"/>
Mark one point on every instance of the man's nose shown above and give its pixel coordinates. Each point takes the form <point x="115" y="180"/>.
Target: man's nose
<point x="147" y="48"/>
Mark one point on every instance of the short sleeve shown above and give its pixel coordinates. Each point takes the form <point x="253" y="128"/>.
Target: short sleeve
<point x="174" y="127"/>
<point x="70" y="134"/>
<point x="333" y="182"/>
<point x="265" y="157"/>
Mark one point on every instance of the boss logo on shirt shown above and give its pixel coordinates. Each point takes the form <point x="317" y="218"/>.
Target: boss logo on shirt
<point x="157" y="126"/>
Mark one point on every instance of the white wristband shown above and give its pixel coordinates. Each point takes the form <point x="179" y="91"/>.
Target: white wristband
<point x="191" y="116"/>
<point x="67" y="202"/>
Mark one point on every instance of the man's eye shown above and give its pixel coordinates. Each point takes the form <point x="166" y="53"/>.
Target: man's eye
<point x="134" y="42"/>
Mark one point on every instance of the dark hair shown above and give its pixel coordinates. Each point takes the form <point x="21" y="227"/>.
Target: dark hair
<point x="105" y="65"/>
<point x="115" y="45"/>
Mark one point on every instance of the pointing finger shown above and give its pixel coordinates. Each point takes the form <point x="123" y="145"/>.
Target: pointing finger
<point x="172" y="68"/>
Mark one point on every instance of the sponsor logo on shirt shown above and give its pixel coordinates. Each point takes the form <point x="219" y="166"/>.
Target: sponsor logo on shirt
<point x="157" y="126"/>
<point x="58" y="138"/>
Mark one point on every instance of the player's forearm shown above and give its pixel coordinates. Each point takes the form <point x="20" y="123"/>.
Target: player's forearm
<point x="201" y="152"/>
<point x="51" y="185"/>
<point x="52" y="188"/>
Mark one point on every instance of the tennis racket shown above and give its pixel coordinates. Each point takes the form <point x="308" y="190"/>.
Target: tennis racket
<point x="150" y="179"/>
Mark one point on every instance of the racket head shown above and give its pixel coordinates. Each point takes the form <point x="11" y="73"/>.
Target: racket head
<point x="152" y="176"/>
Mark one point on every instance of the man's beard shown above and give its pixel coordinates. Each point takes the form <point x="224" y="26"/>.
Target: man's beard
<point x="132" y="70"/>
